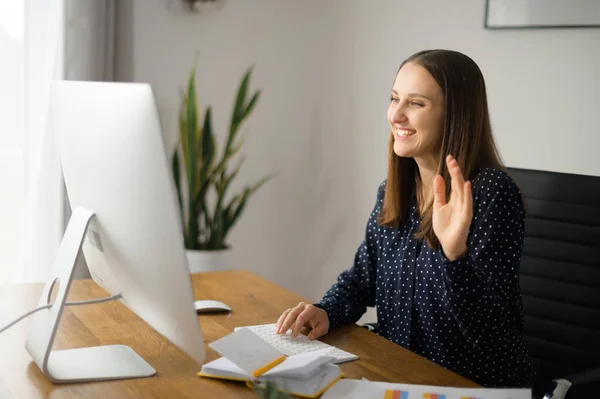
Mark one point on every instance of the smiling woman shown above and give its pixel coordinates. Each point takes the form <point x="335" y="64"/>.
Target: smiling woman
<point x="442" y="247"/>
<point x="434" y="100"/>
<point x="415" y="113"/>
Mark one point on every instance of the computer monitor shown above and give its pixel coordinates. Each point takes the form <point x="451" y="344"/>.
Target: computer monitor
<point x="127" y="222"/>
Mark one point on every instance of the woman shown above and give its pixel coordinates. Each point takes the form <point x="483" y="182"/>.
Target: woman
<point x="443" y="244"/>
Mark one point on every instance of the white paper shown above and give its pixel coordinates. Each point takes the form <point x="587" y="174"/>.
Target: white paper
<point x="344" y="389"/>
<point x="354" y="389"/>
<point x="300" y="366"/>
<point x="246" y="350"/>
<point x="223" y="367"/>
<point x="297" y="367"/>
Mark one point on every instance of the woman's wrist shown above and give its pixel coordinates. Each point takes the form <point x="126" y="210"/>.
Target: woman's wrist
<point x="455" y="254"/>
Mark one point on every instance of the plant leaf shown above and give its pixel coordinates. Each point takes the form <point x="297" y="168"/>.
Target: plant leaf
<point x="207" y="228"/>
<point x="208" y="141"/>
<point x="241" y="95"/>
<point x="207" y="150"/>
<point x="182" y="134"/>
<point x="192" y="137"/>
<point x="221" y="166"/>
<point x="207" y="223"/>
<point x="238" y="109"/>
<point x="177" y="179"/>
<point x="238" y="147"/>
<point x="227" y="179"/>
<point x="261" y="182"/>
<point x="248" y="191"/>
<point x="250" y="105"/>
<point x="241" y="205"/>
<point x="191" y="129"/>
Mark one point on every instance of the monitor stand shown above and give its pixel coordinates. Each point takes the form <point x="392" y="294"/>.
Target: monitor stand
<point x="98" y="363"/>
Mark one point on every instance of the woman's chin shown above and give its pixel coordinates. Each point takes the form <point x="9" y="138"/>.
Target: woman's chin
<point x="401" y="150"/>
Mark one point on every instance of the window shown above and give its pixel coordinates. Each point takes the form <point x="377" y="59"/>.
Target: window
<point x="12" y="135"/>
<point x="31" y="199"/>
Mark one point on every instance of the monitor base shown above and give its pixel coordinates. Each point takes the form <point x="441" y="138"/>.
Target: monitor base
<point x="98" y="363"/>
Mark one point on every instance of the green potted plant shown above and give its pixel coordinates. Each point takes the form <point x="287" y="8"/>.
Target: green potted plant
<point x="272" y="391"/>
<point x="203" y="177"/>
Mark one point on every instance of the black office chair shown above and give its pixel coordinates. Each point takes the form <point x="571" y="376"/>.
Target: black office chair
<point x="560" y="280"/>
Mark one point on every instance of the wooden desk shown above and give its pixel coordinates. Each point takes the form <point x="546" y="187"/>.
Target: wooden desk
<point x="253" y="299"/>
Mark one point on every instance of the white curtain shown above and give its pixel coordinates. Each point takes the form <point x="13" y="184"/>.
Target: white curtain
<point x="65" y="39"/>
<point x="43" y="218"/>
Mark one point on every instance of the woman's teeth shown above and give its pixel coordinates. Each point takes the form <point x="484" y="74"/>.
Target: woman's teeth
<point x="401" y="132"/>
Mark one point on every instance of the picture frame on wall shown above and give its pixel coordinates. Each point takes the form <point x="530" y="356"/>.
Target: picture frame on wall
<point x="531" y="14"/>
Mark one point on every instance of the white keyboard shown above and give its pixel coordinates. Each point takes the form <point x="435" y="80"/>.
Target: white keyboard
<point x="301" y="344"/>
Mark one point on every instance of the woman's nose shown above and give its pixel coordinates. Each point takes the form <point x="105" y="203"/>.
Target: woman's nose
<point x="399" y="115"/>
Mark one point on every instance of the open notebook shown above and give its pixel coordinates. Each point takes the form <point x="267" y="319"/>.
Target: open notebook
<point x="289" y="346"/>
<point x="306" y="375"/>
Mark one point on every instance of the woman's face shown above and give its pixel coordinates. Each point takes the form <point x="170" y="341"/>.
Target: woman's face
<point x="416" y="113"/>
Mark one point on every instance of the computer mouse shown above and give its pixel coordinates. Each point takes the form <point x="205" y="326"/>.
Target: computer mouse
<point x="210" y="306"/>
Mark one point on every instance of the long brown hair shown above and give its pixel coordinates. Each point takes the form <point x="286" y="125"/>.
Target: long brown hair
<point x="467" y="136"/>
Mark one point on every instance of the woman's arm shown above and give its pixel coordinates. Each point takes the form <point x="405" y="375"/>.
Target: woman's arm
<point x="482" y="285"/>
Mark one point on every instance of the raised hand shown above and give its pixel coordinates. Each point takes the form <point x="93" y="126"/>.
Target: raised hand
<point x="452" y="219"/>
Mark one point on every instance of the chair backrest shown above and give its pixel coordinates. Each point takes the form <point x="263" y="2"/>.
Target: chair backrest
<point x="560" y="270"/>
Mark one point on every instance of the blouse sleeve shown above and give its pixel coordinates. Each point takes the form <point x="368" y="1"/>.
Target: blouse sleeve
<point x="481" y="287"/>
<point x="347" y="300"/>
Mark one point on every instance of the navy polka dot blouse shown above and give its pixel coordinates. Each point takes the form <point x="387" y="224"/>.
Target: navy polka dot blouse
<point x="465" y="315"/>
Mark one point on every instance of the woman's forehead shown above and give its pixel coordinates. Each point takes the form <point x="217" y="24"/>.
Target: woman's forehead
<point x="413" y="78"/>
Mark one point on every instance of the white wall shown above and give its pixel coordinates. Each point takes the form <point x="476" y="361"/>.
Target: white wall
<point x="296" y="228"/>
<point x="325" y="69"/>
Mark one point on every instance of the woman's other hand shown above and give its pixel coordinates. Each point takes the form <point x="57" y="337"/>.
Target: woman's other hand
<point x="304" y="315"/>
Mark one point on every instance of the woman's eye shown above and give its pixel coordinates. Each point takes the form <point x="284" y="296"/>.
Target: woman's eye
<point x="393" y="99"/>
<point x="416" y="104"/>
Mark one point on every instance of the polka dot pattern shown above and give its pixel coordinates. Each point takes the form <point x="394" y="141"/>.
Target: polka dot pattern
<point x="465" y="315"/>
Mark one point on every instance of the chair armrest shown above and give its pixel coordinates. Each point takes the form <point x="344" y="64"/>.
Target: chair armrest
<point x="586" y="376"/>
<point x="371" y="327"/>
<point x="560" y="391"/>
<point x="577" y="379"/>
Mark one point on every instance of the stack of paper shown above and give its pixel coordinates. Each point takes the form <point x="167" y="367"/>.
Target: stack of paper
<point x="355" y="389"/>
<point x="246" y="357"/>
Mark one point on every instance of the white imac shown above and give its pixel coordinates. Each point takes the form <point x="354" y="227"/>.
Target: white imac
<point x="127" y="223"/>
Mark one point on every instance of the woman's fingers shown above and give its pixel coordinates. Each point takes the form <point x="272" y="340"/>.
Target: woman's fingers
<point x="456" y="180"/>
<point x="303" y="315"/>
<point x="301" y="321"/>
<point x="319" y="329"/>
<point x="468" y="199"/>
<point x="291" y="318"/>
<point x="282" y="319"/>
<point x="439" y="192"/>
<point x="461" y="190"/>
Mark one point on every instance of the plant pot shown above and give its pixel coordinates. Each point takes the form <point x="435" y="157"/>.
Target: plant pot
<point x="205" y="6"/>
<point x="208" y="261"/>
